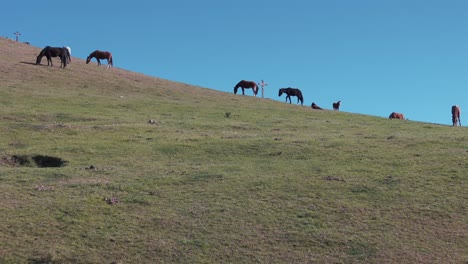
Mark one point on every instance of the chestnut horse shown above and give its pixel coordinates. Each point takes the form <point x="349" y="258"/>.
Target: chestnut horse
<point x="50" y="52"/>
<point x="395" y="115"/>
<point x="456" y="115"/>
<point x="292" y="92"/>
<point x="246" y="84"/>
<point x="101" y="55"/>
<point x="315" y="106"/>
<point x="336" y="106"/>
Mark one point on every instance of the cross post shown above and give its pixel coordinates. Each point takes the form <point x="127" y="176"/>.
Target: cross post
<point x="262" y="84"/>
<point x="17" y="35"/>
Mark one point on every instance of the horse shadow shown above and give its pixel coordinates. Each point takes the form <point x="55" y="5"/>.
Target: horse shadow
<point x="33" y="63"/>
<point x="30" y="63"/>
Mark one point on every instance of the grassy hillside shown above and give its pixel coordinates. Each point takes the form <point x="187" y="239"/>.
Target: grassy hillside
<point x="84" y="178"/>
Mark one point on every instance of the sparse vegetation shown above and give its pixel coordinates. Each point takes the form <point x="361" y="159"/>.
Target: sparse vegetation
<point x="218" y="178"/>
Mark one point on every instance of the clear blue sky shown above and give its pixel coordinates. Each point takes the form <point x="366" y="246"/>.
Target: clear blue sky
<point x="376" y="56"/>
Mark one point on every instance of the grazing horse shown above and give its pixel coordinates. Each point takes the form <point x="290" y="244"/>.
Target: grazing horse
<point x="50" y="52"/>
<point x="456" y="115"/>
<point x="336" y="106"/>
<point x="315" y="106"/>
<point x="395" y="115"/>
<point x="292" y="92"/>
<point x="101" y="55"/>
<point x="246" y="84"/>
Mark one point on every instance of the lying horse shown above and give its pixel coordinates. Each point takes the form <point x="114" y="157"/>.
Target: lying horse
<point x="315" y="106"/>
<point x="395" y="115"/>
<point x="246" y="84"/>
<point x="50" y="52"/>
<point x="456" y="115"/>
<point x="336" y="106"/>
<point x="101" y="55"/>
<point x="291" y="92"/>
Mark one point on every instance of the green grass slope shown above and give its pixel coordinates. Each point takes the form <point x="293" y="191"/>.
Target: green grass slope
<point x="217" y="178"/>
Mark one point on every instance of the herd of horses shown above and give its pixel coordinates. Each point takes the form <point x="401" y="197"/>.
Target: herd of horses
<point x="288" y="91"/>
<point x="336" y="106"/>
<point x="64" y="54"/>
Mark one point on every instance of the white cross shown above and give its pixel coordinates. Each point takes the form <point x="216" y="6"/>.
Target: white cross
<point x="17" y="35"/>
<point x="262" y="84"/>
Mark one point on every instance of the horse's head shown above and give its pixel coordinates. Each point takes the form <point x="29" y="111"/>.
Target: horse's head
<point x="281" y="91"/>
<point x="88" y="59"/>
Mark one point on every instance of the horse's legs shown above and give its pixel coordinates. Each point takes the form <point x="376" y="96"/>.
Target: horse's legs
<point x="49" y="61"/>
<point x="63" y="63"/>
<point x="299" y="99"/>
<point x="98" y="62"/>
<point x="289" y="98"/>
<point x="243" y="91"/>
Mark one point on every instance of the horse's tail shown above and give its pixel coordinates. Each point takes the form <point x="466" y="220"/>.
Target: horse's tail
<point x="300" y="97"/>
<point x="111" y="61"/>
<point x="68" y="54"/>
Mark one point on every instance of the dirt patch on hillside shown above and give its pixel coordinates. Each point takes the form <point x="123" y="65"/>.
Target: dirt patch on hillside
<point x="39" y="161"/>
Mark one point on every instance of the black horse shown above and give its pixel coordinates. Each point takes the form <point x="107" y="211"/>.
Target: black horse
<point x="292" y="92"/>
<point x="50" y="52"/>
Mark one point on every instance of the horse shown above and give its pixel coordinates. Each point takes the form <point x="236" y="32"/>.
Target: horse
<point x="395" y="115"/>
<point x="246" y="84"/>
<point x="315" y="106"/>
<point x="50" y="52"/>
<point x="101" y="55"/>
<point x="336" y="106"/>
<point x="456" y="115"/>
<point x="291" y="92"/>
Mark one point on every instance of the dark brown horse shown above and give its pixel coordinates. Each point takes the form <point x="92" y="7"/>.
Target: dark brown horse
<point x="292" y="92"/>
<point x="246" y="84"/>
<point x="456" y="115"/>
<point x="395" y="115"/>
<point x="50" y="52"/>
<point x="315" y="106"/>
<point x="336" y="106"/>
<point x="101" y="55"/>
